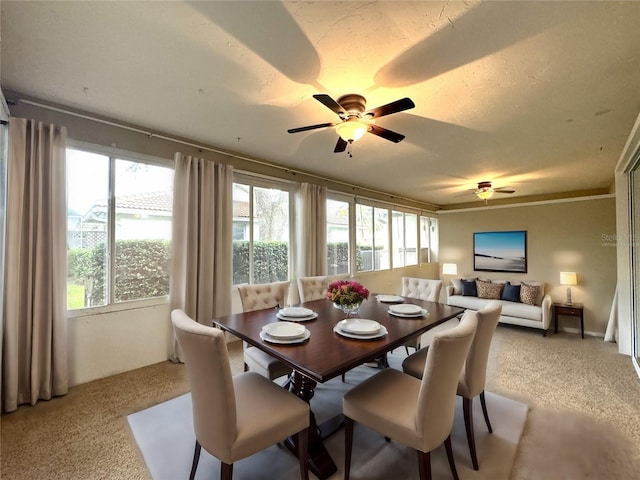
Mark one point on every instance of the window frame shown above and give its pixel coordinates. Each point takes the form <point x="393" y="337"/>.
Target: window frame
<point x="262" y="181"/>
<point x="114" y="154"/>
<point x="354" y="200"/>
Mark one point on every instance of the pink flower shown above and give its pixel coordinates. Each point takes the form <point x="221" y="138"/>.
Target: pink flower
<point x="347" y="292"/>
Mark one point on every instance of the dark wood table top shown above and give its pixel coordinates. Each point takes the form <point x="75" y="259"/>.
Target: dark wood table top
<point x="327" y="354"/>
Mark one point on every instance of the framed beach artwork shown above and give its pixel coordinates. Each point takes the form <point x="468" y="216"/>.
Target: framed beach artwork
<point x="500" y="251"/>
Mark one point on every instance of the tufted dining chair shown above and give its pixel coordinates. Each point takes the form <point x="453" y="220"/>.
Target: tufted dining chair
<point x="473" y="377"/>
<point x="423" y="289"/>
<point x="235" y="416"/>
<point x="312" y="288"/>
<point x="422" y="417"/>
<point x="258" y="297"/>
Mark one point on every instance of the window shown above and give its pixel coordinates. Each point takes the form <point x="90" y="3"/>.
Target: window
<point x="372" y="238"/>
<point x="338" y="244"/>
<point x="118" y="229"/>
<point x="428" y="239"/>
<point x="261" y="231"/>
<point x="404" y="238"/>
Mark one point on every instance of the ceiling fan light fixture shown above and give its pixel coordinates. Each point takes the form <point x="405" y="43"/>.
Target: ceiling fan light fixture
<point x="485" y="194"/>
<point x="351" y="130"/>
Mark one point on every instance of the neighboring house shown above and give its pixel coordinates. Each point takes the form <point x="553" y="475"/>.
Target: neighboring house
<point x="144" y="215"/>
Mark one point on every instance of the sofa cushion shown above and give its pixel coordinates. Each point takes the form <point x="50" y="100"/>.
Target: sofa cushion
<point x="528" y="294"/>
<point x="469" y="288"/>
<point x="489" y="290"/>
<point x="509" y="309"/>
<point x="540" y="286"/>
<point x="511" y="293"/>
<point x="457" y="286"/>
<point x="521" y="310"/>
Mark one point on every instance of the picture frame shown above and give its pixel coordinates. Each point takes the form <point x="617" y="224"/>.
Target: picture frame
<point x="500" y="251"/>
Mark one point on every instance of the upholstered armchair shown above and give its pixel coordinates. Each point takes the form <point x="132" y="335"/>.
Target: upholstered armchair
<point x="258" y="297"/>
<point x="473" y="377"/>
<point x="417" y="413"/>
<point x="423" y="289"/>
<point x="312" y="288"/>
<point x="234" y="417"/>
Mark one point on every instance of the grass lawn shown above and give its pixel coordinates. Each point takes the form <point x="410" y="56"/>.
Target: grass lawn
<point x="75" y="296"/>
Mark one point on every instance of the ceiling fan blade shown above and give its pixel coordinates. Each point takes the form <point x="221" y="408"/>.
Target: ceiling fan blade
<point x="341" y="146"/>
<point x="330" y="103"/>
<point x="386" y="134"/>
<point x="393" y="107"/>
<point x="310" y="127"/>
<point x="504" y="190"/>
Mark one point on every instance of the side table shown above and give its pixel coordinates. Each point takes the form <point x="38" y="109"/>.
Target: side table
<point x="570" y="310"/>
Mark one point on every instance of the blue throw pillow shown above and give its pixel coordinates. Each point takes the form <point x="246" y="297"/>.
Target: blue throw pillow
<point x="469" y="288"/>
<point x="511" y="292"/>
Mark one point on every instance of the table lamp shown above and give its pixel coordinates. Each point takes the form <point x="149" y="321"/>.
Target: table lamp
<point x="449" y="269"/>
<point x="568" y="279"/>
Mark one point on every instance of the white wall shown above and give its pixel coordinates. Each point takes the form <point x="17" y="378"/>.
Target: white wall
<point x="104" y="344"/>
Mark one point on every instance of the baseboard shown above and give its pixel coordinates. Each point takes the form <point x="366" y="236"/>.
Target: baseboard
<point x="577" y="330"/>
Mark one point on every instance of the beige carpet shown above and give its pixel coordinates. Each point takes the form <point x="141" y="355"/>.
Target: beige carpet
<point x="164" y="434"/>
<point x="85" y="434"/>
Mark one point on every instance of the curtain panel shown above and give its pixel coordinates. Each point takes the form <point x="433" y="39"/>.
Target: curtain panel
<point x="201" y="245"/>
<point x="311" y="242"/>
<point x="34" y="347"/>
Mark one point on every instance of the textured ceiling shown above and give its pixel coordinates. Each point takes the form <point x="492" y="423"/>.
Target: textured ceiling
<point x="540" y="96"/>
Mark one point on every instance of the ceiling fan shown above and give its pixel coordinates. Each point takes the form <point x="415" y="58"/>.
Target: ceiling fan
<point x="355" y="121"/>
<point x="485" y="191"/>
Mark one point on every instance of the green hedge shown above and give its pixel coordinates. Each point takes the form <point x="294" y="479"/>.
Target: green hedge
<point x="142" y="266"/>
<point x="142" y="270"/>
<point x="270" y="262"/>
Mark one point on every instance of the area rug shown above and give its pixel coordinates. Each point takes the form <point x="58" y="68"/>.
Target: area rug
<point x="164" y="434"/>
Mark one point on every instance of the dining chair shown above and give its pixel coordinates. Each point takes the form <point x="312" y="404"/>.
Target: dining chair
<point x="422" y="289"/>
<point x="422" y="416"/>
<point x="473" y="376"/>
<point x="312" y="288"/>
<point x="258" y="297"/>
<point x="235" y="416"/>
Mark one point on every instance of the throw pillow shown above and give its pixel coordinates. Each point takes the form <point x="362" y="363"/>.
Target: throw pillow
<point x="489" y="290"/>
<point x="528" y="294"/>
<point x="511" y="293"/>
<point x="469" y="288"/>
<point x="540" y="286"/>
<point x="457" y="286"/>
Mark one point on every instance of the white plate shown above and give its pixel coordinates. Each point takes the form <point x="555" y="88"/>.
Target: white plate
<point x="406" y="309"/>
<point x="285" y="341"/>
<point x="286" y="330"/>
<point x="297" y="319"/>
<point x="381" y="333"/>
<point x="295" y="312"/>
<point x="389" y="298"/>
<point x="359" y="326"/>
<point x="421" y="313"/>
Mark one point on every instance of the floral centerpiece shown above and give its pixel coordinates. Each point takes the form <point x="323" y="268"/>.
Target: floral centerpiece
<point x="347" y="295"/>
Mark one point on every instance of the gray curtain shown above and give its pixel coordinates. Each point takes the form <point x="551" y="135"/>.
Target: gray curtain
<point x="34" y="347"/>
<point x="201" y="244"/>
<point x="312" y="230"/>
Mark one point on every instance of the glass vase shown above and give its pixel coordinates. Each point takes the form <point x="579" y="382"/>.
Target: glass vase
<point x="350" y="309"/>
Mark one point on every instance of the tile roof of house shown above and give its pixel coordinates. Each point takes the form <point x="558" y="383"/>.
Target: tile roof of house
<point x="159" y="202"/>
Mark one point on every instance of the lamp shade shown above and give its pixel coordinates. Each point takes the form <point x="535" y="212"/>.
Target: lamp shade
<point x="449" y="269"/>
<point x="568" y="278"/>
<point x="485" y="194"/>
<point x="351" y="130"/>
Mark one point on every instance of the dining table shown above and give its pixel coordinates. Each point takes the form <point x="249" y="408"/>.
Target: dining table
<point x="327" y="353"/>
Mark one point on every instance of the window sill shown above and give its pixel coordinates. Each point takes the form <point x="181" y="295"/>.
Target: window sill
<point x="117" y="307"/>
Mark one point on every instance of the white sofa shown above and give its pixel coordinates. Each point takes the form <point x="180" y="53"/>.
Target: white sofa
<point x="515" y="313"/>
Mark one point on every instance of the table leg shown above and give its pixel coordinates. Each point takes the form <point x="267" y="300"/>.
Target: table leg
<point x="320" y="462"/>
